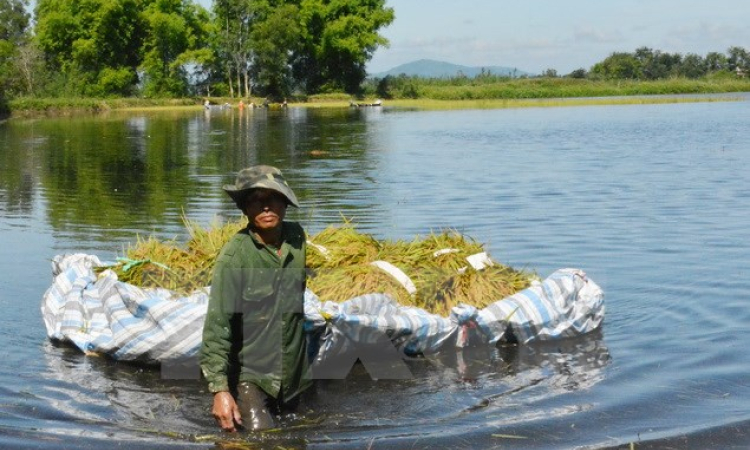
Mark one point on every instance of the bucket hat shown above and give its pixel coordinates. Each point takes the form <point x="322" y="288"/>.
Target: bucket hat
<point x="265" y="177"/>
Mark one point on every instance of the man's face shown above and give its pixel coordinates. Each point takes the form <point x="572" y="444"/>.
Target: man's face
<point x="265" y="208"/>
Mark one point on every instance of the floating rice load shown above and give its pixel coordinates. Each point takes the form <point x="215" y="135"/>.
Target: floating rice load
<point x="150" y="263"/>
<point x="338" y="246"/>
<point x="348" y="282"/>
<point x="434" y="273"/>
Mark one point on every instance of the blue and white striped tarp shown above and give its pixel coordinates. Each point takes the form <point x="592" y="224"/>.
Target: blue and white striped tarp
<point x="102" y="315"/>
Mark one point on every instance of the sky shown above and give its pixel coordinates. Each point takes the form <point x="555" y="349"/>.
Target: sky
<point x="536" y="35"/>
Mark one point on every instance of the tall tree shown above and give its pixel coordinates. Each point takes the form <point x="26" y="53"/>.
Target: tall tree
<point x="234" y="20"/>
<point x="175" y="29"/>
<point x="274" y="39"/>
<point x="693" y="66"/>
<point x="14" y="20"/>
<point x="29" y="70"/>
<point x="715" y="61"/>
<point x="14" y="23"/>
<point x="93" y="44"/>
<point x="655" y="64"/>
<point x="618" y="65"/>
<point x="738" y="59"/>
<point x="99" y="47"/>
<point x="338" y="38"/>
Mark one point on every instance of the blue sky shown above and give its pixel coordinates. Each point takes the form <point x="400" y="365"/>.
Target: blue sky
<point x="535" y="35"/>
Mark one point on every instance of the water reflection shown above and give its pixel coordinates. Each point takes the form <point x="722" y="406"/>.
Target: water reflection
<point x="134" y="397"/>
<point x="454" y="391"/>
<point x="127" y="174"/>
<point x="95" y="180"/>
<point x="18" y="162"/>
<point x="650" y="200"/>
<point x="455" y="388"/>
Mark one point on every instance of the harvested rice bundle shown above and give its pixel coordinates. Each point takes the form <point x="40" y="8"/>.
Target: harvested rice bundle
<point x="339" y="246"/>
<point x="343" y="283"/>
<point x="209" y="241"/>
<point x="151" y="263"/>
<point x="437" y="272"/>
<point x="431" y="261"/>
<point x="436" y="266"/>
<point x="478" y="288"/>
<point x="447" y="250"/>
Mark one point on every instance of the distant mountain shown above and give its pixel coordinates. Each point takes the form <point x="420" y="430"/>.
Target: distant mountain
<point x="428" y="68"/>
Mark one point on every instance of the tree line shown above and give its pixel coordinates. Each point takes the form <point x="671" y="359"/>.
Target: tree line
<point x="648" y="64"/>
<point x="243" y="48"/>
<point x="177" y="48"/>
<point x="643" y="65"/>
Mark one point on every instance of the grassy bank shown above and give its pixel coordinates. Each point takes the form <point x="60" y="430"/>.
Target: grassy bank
<point x="546" y="88"/>
<point x="27" y="106"/>
<point x="431" y="104"/>
<point x="436" y="94"/>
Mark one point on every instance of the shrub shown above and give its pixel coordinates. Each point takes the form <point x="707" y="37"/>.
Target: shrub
<point x="116" y="81"/>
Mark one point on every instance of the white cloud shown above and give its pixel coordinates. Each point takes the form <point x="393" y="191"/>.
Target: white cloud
<point x="594" y="36"/>
<point x="711" y="32"/>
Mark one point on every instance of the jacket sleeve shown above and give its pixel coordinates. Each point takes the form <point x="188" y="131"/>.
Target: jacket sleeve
<point x="217" y="329"/>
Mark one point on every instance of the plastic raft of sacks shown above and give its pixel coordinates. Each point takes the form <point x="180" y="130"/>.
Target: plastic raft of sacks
<point x="99" y="314"/>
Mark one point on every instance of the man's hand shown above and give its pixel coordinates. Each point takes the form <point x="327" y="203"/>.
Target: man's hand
<point x="226" y="412"/>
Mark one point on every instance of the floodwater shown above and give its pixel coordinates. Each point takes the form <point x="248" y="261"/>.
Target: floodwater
<point x="652" y="201"/>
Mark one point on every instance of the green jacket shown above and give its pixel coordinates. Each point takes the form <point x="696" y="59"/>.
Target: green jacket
<point x="254" y="325"/>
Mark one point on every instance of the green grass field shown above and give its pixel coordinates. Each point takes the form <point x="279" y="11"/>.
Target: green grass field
<point x="440" y="94"/>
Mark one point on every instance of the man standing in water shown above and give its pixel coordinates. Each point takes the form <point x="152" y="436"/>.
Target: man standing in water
<point x="254" y="353"/>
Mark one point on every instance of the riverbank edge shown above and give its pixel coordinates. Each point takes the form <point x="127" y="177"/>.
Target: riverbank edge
<point x="36" y="108"/>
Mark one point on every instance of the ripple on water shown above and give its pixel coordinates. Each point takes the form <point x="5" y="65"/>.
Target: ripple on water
<point x="651" y="201"/>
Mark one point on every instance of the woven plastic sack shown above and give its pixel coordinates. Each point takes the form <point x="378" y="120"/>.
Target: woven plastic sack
<point x="100" y="314"/>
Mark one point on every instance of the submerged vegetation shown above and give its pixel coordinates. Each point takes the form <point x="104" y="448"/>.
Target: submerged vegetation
<point x="343" y="263"/>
